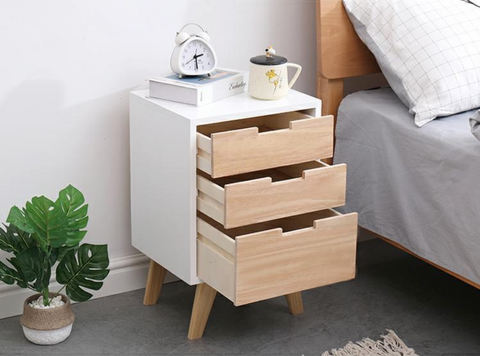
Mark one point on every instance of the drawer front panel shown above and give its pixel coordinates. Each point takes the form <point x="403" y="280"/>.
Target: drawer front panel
<point x="261" y="200"/>
<point x="271" y="264"/>
<point x="272" y="194"/>
<point x="247" y="150"/>
<point x="267" y="262"/>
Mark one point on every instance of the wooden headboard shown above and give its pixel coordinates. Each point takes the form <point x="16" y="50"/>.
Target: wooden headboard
<point x="340" y="54"/>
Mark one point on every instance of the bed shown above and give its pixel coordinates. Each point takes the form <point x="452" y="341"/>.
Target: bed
<point x="414" y="188"/>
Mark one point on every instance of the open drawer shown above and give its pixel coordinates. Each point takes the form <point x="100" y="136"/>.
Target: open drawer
<point x="271" y="194"/>
<point x="248" y="145"/>
<point x="266" y="260"/>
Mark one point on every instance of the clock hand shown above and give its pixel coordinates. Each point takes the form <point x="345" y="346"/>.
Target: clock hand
<point x="194" y="57"/>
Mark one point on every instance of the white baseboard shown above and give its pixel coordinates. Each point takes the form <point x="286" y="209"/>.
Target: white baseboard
<point x="126" y="274"/>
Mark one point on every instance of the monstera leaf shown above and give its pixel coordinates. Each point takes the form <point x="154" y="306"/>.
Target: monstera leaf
<point x="32" y="267"/>
<point x="48" y="220"/>
<point x="57" y="254"/>
<point x="83" y="268"/>
<point x="7" y="275"/>
<point x="42" y="218"/>
<point x="11" y="275"/>
<point x="17" y="217"/>
<point x="14" y="240"/>
<point x="71" y="201"/>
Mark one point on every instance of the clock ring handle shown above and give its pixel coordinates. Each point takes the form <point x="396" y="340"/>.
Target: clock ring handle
<point x="192" y="23"/>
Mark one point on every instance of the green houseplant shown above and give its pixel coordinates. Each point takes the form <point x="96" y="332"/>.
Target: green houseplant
<point x="43" y="236"/>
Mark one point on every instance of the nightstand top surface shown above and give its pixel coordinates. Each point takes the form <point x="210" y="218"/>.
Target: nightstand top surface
<point x="235" y="106"/>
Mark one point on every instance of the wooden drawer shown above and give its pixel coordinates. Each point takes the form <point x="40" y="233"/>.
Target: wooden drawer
<point x="279" y="257"/>
<point x="258" y="143"/>
<point x="271" y="194"/>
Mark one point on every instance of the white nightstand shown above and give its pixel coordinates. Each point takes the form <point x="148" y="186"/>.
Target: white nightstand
<point x="233" y="194"/>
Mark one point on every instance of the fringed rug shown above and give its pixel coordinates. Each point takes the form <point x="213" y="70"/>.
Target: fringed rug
<point x="391" y="345"/>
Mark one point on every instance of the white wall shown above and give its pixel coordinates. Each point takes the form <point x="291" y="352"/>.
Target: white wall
<point x="66" y="68"/>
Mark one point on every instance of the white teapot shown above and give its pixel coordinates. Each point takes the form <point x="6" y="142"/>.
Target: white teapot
<point x="268" y="79"/>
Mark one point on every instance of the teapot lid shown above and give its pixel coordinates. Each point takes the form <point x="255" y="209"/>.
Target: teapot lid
<point x="269" y="59"/>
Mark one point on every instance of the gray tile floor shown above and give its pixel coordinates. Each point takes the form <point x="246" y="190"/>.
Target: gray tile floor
<point x="432" y="312"/>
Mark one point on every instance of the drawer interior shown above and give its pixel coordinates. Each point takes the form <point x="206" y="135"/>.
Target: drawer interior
<point x="292" y="223"/>
<point x="264" y="123"/>
<point x="277" y="174"/>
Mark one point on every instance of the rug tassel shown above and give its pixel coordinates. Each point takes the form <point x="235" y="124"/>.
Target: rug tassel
<point x="391" y="345"/>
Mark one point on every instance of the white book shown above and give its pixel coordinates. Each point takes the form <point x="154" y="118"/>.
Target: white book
<point x="199" y="90"/>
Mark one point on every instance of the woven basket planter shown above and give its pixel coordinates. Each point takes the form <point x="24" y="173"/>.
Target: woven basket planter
<point x="47" y="326"/>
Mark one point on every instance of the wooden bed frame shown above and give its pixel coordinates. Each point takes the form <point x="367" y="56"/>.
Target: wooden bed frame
<point x="341" y="55"/>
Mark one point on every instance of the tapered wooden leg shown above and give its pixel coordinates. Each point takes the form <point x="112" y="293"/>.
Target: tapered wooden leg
<point x="295" y="304"/>
<point x="156" y="276"/>
<point x="202" y="305"/>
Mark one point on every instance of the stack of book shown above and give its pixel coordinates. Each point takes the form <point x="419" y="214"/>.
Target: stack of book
<point x="199" y="90"/>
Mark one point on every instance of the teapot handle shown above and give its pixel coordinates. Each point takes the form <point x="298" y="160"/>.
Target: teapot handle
<point x="297" y="73"/>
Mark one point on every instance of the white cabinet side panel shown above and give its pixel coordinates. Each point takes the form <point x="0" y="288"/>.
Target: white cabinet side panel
<point x="162" y="188"/>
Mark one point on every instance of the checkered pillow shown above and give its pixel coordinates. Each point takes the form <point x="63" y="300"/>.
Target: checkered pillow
<point x="429" y="51"/>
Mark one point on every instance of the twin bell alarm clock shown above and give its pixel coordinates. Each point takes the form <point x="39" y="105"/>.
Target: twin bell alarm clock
<point x="268" y="78"/>
<point x="193" y="54"/>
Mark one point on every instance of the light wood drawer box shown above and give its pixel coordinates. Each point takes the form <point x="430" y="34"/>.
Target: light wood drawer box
<point x="278" y="257"/>
<point x="248" y="145"/>
<point x="271" y="194"/>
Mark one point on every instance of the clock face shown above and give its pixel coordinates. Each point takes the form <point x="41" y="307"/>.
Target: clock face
<point x="196" y="57"/>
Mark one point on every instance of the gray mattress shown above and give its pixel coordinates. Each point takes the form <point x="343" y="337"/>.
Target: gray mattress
<point x="417" y="186"/>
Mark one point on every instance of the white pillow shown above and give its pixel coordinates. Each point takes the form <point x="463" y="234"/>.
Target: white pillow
<point x="429" y="51"/>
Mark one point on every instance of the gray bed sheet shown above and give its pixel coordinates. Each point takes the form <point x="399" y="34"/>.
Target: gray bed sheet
<point x="417" y="186"/>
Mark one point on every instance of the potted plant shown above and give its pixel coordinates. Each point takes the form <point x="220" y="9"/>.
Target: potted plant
<point x="46" y="235"/>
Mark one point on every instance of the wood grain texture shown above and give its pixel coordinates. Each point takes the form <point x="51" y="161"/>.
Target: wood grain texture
<point x="210" y="207"/>
<point x="211" y="189"/>
<point x="155" y="279"/>
<point x="295" y="303"/>
<point x="216" y="267"/>
<point x="204" y="143"/>
<point x="247" y="150"/>
<point x="276" y="140"/>
<point x="216" y="259"/>
<point x="340" y="52"/>
<point x="279" y="257"/>
<point x="220" y="239"/>
<point x="272" y="263"/>
<point x="268" y="195"/>
<point x="202" y="306"/>
<point x="331" y="93"/>
<point x="204" y="161"/>
<point x="263" y="200"/>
